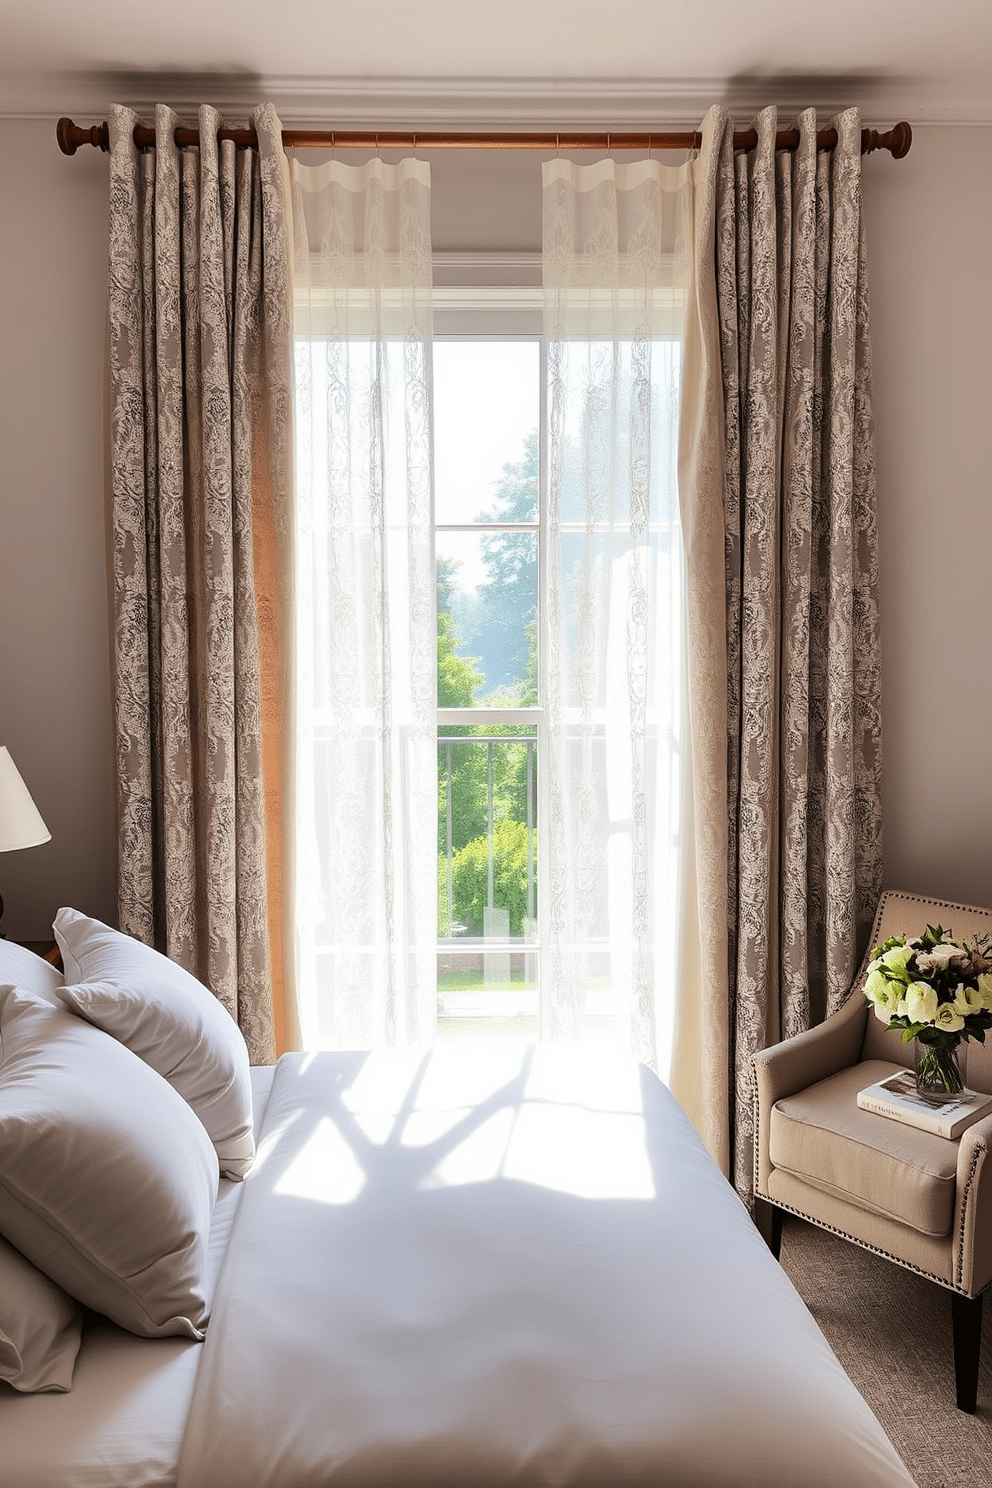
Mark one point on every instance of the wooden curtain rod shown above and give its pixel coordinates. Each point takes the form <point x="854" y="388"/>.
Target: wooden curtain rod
<point x="70" y="136"/>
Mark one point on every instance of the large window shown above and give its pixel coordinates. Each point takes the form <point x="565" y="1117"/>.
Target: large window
<point x="501" y="865"/>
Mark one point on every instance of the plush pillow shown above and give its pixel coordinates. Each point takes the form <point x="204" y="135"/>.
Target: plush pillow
<point x="40" y="1327"/>
<point x="170" y="1020"/>
<point x="107" y="1179"/>
<point x="23" y="968"/>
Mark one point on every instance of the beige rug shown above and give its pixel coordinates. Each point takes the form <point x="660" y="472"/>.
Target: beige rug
<point x="891" y="1330"/>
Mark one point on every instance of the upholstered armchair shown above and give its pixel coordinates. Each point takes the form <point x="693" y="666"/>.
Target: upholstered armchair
<point x="919" y="1200"/>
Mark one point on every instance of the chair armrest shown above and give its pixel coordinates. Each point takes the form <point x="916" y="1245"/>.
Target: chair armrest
<point x="798" y="1062"/>
<point x="972" y="1238"/>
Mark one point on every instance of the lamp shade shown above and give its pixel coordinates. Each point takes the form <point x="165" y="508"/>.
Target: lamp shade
<point x="20" y="820"/>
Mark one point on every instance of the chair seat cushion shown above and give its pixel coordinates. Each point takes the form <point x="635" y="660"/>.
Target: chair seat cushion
<point x="822" y="1136"/>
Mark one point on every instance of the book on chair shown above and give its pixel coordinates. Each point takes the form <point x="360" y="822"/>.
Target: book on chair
<point x="896" y="1097"/>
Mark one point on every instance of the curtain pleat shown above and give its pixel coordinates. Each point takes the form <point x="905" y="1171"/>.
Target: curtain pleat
<point x="201" y="518"/>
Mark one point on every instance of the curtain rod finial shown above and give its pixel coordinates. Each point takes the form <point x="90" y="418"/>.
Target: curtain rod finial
<point x="902" y="138"/>
<point x="896" y="140"/>
<point x="70" y="136"/>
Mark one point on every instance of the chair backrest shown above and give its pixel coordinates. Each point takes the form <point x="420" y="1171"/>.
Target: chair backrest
<point x="910" y="914"/>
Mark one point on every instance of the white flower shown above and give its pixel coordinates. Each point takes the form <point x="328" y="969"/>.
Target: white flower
<point x="921" y="1003"/>
<point x="967" y="1000"/>
<point x="875" y="984"/>
<point x="887" y="999"/>
<point x="897" y="961"/>
<point x="985" y="989"/>
<point x="943" y="954"/>
<point x="947" y="1019"/>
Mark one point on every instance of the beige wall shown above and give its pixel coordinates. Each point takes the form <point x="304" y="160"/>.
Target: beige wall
<point x="932" y="332"/>
<point x="929" y="221"/>
<point x="54" y="678"/>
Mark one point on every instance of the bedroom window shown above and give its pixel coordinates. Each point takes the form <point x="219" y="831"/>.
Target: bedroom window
<point x="497" y="862"/>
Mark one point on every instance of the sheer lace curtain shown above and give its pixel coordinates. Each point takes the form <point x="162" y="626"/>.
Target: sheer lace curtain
<point x="617" y="241"/>
<point x="366" y="642"/>
<point x="201" y="520"/>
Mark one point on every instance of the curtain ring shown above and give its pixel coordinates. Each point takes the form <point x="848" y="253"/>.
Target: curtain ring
<point x="333" y="156"/>
<point x="414" y="145"/>
<point x="607" y="142"/>
<point x="557" y="146"/>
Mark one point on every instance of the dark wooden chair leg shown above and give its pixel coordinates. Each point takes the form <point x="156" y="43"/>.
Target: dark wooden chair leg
<point x="966" y="1319"/>
<point x="768" y="1218"/>
<point x="775" y="1244"/>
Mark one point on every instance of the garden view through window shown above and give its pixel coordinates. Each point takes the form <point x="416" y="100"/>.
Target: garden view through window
<point x="487" y="463"/>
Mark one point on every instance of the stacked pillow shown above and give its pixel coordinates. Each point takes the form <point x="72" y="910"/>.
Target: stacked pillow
<point x="122" y="1090"/>
<point x="169" y="1020"/>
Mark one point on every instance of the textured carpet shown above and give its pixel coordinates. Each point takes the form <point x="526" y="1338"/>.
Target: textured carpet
<point x="891" y="1330"/>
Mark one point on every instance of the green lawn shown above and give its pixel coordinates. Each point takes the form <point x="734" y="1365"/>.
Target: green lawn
<point x="475" y="981"/>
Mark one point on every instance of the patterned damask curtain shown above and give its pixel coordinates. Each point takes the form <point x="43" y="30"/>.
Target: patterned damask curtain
<point x="801" y="571"/>
<point x="201" y="475"/>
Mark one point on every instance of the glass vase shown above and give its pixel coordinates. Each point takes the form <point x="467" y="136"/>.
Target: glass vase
<point x="938" y="1068"/>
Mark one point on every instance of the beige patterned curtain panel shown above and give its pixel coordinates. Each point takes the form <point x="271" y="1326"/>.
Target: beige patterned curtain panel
<point x="200" y="372"/>
<point x="784" y="348"/>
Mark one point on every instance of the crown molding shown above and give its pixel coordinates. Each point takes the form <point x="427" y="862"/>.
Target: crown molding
<point x="498" y="104"/>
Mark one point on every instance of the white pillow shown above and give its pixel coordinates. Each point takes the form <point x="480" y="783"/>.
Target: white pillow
<point x="107" y="1179"/>
<point x="22" y="968"/>
<point x="40" y="1327"/>
<point x="170" y="1020"/>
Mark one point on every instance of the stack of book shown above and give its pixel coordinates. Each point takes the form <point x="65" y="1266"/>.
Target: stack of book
<point x="896" y="1097"/>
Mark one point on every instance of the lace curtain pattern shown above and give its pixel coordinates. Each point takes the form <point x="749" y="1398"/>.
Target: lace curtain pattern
<point x="784" y="343"/>
<point x="200" y="373"/>
<point x="366" y="634"/>
<point x="616" y="246"/>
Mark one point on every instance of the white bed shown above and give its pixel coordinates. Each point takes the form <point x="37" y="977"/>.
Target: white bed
<point x="466" y="1270"/>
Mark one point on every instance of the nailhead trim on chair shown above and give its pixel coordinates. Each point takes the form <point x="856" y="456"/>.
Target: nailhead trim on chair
<point x="980" y="1149"/>
<point x="864" y="1245"/>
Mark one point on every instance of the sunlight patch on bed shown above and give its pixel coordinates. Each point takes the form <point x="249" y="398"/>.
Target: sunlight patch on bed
<point x="593" y="1078"/>
<point x="591" y="1154"/>
<point x="325" y="1169"/>
<point x="270" y="1142"/>
<point x="478" y="1158"/>
<point x="383" y="1083"/>
<point x="456" y="1080"/>
<point x="570" y="1150"/>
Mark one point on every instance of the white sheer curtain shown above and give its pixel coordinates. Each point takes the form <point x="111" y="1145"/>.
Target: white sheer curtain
<point x="366" y="644"/>
<point x="617" y="242"/>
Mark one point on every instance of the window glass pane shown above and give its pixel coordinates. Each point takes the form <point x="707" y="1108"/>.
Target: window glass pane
<point x="486" y="616"/>
<point x="486" y="416"/>
<point x="487" y="838"/>
<point x="492" y="994"/>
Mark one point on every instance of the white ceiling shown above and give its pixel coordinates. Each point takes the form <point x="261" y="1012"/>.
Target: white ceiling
<point x="564" y="62"/>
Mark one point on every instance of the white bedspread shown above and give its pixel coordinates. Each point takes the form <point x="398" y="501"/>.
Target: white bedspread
<point x="455" y="1270"/>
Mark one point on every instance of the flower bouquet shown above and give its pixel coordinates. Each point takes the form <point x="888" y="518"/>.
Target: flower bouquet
<point x="937" y="990"/>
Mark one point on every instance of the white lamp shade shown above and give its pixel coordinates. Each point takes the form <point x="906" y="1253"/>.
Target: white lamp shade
<point x="20" y="820"/>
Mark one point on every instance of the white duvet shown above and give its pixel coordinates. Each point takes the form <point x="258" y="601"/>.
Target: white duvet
<point x="522" y="1269"/>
